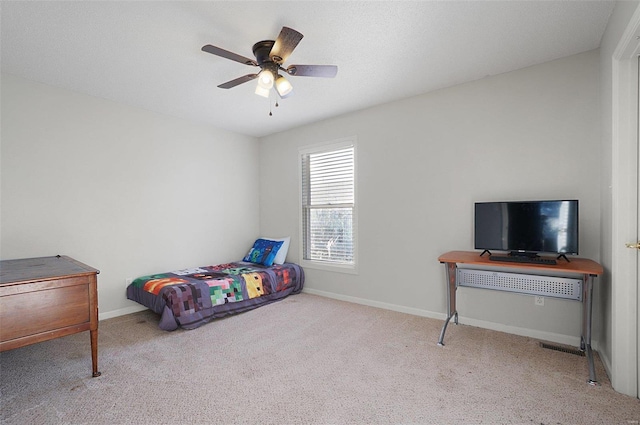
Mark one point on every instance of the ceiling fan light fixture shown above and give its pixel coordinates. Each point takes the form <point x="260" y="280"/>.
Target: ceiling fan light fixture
<point x="283" y="86"/>
<point x="265" y="79"/>
<point x="262" y="91"/>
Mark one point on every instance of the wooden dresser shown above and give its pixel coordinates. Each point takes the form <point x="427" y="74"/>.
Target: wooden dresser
<point x="46" y="298"/>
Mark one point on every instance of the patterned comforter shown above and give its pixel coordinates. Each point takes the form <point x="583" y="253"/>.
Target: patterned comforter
<point x="189" y="298"/>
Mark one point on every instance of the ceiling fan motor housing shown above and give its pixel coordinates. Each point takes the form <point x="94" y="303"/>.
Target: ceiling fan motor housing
<point x="261" y="51"/>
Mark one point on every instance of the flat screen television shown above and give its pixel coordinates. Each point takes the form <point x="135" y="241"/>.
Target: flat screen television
<point x="526" y="228"/>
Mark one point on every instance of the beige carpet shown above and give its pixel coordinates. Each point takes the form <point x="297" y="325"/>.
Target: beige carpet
<point x="304" y="360"/>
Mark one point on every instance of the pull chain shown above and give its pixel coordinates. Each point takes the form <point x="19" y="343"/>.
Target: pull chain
<point x="276" y="105"/>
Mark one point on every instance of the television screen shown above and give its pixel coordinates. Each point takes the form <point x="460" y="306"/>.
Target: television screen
<point x="528" y="226"/>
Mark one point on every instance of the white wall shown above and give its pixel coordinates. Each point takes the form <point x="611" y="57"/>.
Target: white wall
<point x="423" y="161"/>
<point x="125" y="190"/>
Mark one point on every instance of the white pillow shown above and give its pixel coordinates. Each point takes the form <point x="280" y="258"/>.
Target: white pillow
<point x="281" y="255"/>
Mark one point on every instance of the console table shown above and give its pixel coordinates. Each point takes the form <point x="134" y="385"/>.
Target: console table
<point x="46" y="298"/>
<point x="586" y="269"/>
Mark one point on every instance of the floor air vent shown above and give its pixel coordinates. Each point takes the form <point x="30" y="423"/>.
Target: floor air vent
<point x="562" y="349"/>
<point x="549" y="286"/>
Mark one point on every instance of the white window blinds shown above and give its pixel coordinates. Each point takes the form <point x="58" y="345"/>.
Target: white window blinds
<point x="328" y="203"/>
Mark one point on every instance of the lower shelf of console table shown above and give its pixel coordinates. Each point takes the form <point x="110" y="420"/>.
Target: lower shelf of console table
<point x="584" y="269"/>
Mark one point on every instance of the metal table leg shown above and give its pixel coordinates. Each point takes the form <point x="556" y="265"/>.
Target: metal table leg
<point x="585" y="341"/>
<point x="450" y="269"/>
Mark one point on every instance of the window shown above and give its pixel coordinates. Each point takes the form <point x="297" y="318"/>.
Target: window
<point x="329" y="205"/>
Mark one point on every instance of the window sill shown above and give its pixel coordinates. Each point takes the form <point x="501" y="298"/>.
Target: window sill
<point x="337" y="268"/>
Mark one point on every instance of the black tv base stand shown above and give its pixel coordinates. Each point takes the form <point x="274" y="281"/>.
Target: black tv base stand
<point x="525" y="255"/>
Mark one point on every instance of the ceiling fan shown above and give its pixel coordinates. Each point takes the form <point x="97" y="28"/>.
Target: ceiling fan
<point x="270" y="56"/>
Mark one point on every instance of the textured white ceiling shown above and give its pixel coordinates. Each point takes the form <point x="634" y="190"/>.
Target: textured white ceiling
<point x="147" y="53"/>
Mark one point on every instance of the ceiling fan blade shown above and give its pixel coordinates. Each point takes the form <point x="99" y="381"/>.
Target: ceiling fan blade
<point x="287" y="40"/>
<point x="327" y="71"/>
<point x="238" y="81"/>
<point x="227" y="54"/>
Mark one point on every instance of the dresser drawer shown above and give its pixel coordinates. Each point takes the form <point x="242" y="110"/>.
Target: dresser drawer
<point x="31" y="309"/>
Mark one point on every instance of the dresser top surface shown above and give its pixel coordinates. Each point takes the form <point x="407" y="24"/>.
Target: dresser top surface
<point x="42" y="268"/>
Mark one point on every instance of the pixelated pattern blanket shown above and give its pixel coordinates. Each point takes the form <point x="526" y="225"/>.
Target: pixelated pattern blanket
<point x="191" y="297"/>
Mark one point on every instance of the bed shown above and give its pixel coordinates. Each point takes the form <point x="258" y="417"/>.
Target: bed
<point x="192" y="297"/>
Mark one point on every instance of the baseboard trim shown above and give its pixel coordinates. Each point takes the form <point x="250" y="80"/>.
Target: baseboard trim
<point x="379" y="304"/>
<point x="606" y="361"/>
<point x="500" y="327"/>
<point x="515" y="330"/>
<point x="120" y="312"/>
